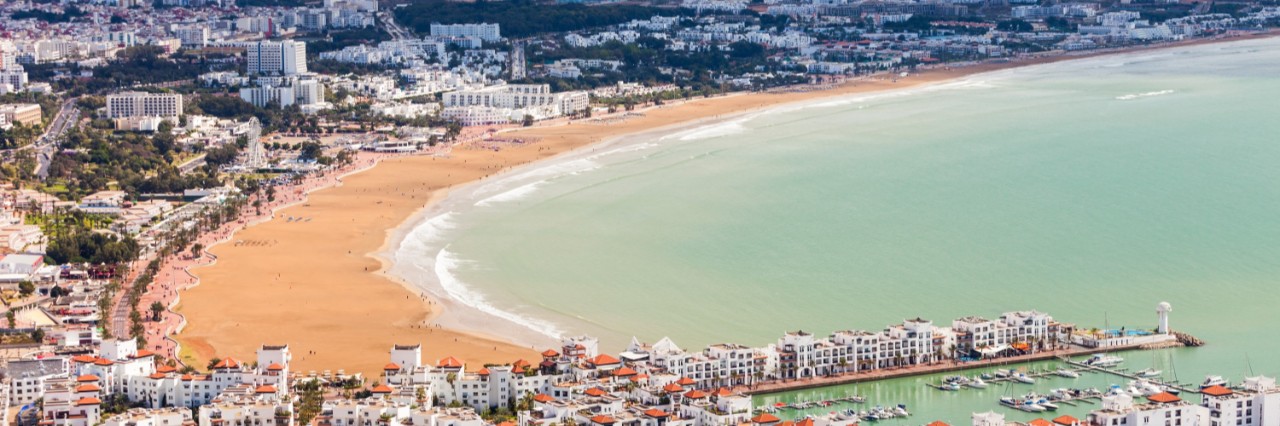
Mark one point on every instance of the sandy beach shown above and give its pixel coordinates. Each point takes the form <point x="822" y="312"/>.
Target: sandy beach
<point x="316" y="284"/>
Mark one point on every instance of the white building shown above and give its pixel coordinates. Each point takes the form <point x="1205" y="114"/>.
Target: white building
<point x="486" y="32"/>
<point x="1256" y="403"/>
<point x="140" y="104"/>
<point x="277" y="57"/>
<point x="1163" y="409"/>
<point x="196" y="37"/>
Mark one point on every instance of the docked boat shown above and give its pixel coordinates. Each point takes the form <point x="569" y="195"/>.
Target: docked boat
<point x="1213" y="381"/>
<point x="977" y="383"/>
<point x="901" y="411"/>
<point x="1063" y="372"/>
<point x="1148" y="373"/>
<point x="1004" y="374"/>
<point x="1023" y="378"/>
<point x="1103" y="360"/>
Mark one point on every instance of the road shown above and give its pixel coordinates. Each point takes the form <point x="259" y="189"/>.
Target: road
<point x="397" y="32"/>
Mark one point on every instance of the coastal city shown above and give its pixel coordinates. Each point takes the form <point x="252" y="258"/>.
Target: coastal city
<point x="150" y="147"/>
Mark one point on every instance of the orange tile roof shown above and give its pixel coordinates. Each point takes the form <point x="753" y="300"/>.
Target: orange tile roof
<point x="103" y="362"/>
<point x="88" y="400"/>
<point x="165" y="369"/>
<point x="449" y="362"/>
<point x="639" y="377"/>
<point x="187" y="378"/>
<point x="157" y="376"/>
<point x="1216" y="390"/>
<point x="695" y="394"/>
<point x="88" y="388"/>
<point x="938" y="423"/>
<point x="624" y="371"/>
<point x="84" y="358"/>
<point x="596" y="392"/>
<point x="519" y="370"/>
<point x="275" y="367"/>
<point x="227" y="363"/>
<point x="1066" y="420"/>
<point x="543" y="398"/>
<point x="723" y="392"/>
<point x="765" y="418"/>
<point x="382" y="389"/>
<point x="143" y="354"/>
<point x="87" y="378"/>
<point x="265" y="389"/>
<point x="520" y="363"/>
<point x="685" y="381"/>
<point x="1163" y="398"/>
<point x="1040" y="422"/>
<point x="602" y="419"/>
<point x="656" y="413"/>
<point x="483" y="371"/>
<point x="391" y="366"/>
<point x="672" y="388"/>
<point x="507" y="423"/>
<point x="550" y="353"/>
<point x="604" y="359"/>
<point x="806" y="422"/>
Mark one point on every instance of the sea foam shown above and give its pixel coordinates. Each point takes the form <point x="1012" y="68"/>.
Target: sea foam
<point x="446" y="266"/>
<point x="1133" y="96"/>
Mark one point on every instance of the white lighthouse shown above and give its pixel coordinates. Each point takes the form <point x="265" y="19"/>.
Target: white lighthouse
<point x="1163" y="310"/>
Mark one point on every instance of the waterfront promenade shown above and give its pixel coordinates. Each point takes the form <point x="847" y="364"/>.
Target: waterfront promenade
<point x="774" y="386"/>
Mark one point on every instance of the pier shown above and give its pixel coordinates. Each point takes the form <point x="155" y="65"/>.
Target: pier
<point x="1121" y="372"/>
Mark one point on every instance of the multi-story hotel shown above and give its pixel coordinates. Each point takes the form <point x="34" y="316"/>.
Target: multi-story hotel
<point x="277" y="57"/>
<point x="139" y="104"/>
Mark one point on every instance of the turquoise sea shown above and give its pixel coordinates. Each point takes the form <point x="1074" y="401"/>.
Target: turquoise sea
<point x="1091" y="189"/>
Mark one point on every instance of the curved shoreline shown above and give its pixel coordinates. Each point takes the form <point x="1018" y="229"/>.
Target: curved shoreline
<point x="564" y="140"/>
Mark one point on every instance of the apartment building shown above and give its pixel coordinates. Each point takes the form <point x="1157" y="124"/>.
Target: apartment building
<point x="277" y="57"/>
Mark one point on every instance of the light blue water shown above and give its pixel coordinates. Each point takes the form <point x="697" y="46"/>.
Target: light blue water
<point x="1091" y="189"/>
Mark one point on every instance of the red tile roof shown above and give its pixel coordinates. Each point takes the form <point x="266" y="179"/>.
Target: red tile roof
<point x="156" y="376"/>
<point x="656" y="413"/>
<point x="103" y="362"/>
<point x="87" y="378"/>
<point x="1040" y="422"/>
<point x="543" y="398"/>
<point x="88" y="400"/>
<point x="275" y="367"/>
<point x="84" y="358"/>
<point x="765" y="418"/>
<point x="938" y="423"/>
<point x="604" y="359"/>
<point x="672" y="388"/>
<point x="165" y="369"/>
<point x="507" y="423"/>
<point x="1216" y="390"/>
<point x="520" y="363"/>
<point x="1163" y="398"/>
<point x="639" y="377"/>
<point x="685" y="381"/>
<point x="483" y="372"/>
<point x="603" y="419"/>
<point x="88" y="388"/>
<point x="1066" y="420"/>
<point x="595" y="392"/>
<point x="695" y="394"/>
<point x="550" y="353"/>
<point x="449" y="362"/>
<point x="391" y="366"/>
<point x="806" y="422"/>
<point x="624" y="371"/>
<point x="265" y="389"/>
<point x="381" y="389"/>
<point x="723" y="392"/>
<point x="143" y="354"/>
<point x="227" y="363"/>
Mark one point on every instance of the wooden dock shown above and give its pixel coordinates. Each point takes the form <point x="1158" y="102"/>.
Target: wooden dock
<point x="1124" y="373"/>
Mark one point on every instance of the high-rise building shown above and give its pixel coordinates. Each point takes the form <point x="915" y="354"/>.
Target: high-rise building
<point x="139" y="104"/>
<point x="277" y="57"/>
<point x="193" y="36"/>
<point x="486" y="32"/>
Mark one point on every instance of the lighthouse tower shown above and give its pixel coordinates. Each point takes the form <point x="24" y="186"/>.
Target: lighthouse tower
<point x="1163" y="310"/>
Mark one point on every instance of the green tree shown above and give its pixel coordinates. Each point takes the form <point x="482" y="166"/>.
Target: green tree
<point x="25" y="288"/>
<point x="156" y="309"/>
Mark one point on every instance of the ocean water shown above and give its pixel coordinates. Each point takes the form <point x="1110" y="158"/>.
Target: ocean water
<point x="1091" y="189"/>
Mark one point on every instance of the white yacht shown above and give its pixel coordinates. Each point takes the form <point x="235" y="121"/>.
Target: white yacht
<point x="1213" y="381"/>
<point x="1103" y="360"/>
<point x="1063" y="372"/>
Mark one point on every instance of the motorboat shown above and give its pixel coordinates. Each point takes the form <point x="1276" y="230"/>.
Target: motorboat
<point x="1103" y="360"/>
<point x="1213" y="381"/>
<point x="977" y="383"/>
<point x="1148" y="373"/>
<point x="1063" y="372"/>
<point x="1023" y="378"/>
